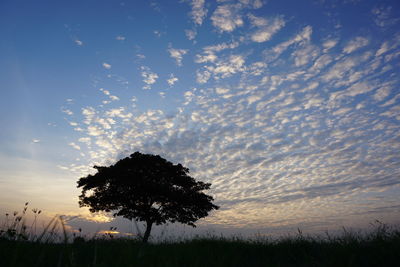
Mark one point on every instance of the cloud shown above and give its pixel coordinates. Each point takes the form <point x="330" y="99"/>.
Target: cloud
<point x="297" y="132"/>
<point x="94" y="130"/>
<point x="202" y="76"/>
<point x="177" y="54"/>
<point x="388" y="47"/>
<point x="305" y="55"/>
<point x="355" y="44"/>
<point x="190" y="34"/>
<point x="206" y="57"/>
<point x="106" y="66"/>
<point x="67" y="111"/>
<point x="85" y="140"/>
<point x="88" y="113"/>
<point x="149" y="77"/>
<point x="209" y="52"/>
<point x="221" y="91"/>
<point x="383" y="16"/>
<point x="75" y="146"/>
<point x="198" y="12"/>
<point x="227" y="18"/>
<point x="158" y="33"/>
<point x="328" y="44"/>
<point x="120" y="38"/>
<point x="267" y="28"/>
<point x="257" y="68"/>
<point x="172" y="80"/>
<point x="140" y="56"/>
<point x="221" y="46"/>
<point x="107" y="93"/>
<point x="258" y="21"/>
<point x="383" y="49"/>
<point x="35" y="141"/>
<point x="301" y="38"/>
<point x="356" y="89"/>
<point x="339" y="69"/>
<point x="98" y="217"/>
<point x="251" y="166"/>
<point x="255" y="3"/>
<point x="382" y="92"/>
<point x="78" y="42"/>
<point x="227" y="67"/>
<point x="118" y="112"/>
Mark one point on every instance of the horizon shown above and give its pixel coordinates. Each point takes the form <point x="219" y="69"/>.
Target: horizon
<point x="289" y="109"/>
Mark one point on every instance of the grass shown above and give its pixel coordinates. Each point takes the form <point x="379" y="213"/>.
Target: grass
<point x="19" y="247"/>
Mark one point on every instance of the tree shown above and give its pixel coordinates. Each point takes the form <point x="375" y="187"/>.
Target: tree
<point x="147" y="188"/>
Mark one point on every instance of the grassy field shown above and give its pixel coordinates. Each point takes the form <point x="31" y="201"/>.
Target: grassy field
<point x="21" y="246"/>
<point x="204" y="252"/>
<point x="376" y="249"/>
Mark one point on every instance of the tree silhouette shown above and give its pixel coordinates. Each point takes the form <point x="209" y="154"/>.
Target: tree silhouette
<point x="147" y="188"/>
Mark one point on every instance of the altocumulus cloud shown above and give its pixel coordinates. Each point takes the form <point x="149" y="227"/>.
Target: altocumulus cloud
<point x="308" y="129"/>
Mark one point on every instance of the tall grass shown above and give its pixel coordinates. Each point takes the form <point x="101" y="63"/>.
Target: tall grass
<point x="54" y="246"/>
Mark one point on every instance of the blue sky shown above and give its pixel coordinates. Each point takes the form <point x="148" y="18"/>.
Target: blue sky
<point x="289" y="108"/>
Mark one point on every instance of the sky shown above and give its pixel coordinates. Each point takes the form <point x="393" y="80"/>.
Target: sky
<point x="290" y="109"/>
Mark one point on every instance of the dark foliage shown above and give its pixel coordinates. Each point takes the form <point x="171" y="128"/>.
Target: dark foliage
<point x="147" y="188"/>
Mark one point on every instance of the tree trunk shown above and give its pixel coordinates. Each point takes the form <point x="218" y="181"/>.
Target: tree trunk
<point x="148" y="230"/>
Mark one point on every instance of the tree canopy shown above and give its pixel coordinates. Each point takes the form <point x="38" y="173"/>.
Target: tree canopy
<point x="147" y="188"/>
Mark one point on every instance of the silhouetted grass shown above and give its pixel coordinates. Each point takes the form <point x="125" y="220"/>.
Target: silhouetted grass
<point x="371" y="251"/>
<point x="380" y="247"/>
